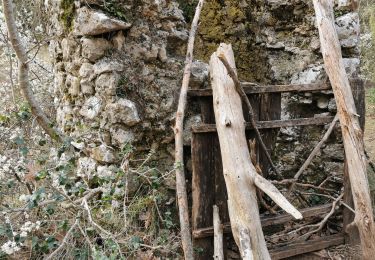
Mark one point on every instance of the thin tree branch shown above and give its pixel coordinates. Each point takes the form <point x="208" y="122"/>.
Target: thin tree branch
<point x="53" y="255"/>
<point x="23" y="71"/>
<point x="179" y="154"/>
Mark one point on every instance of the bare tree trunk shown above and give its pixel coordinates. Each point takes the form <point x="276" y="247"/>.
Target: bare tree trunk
<point x="239" y="173"/>
<point x="179" y="144"/>
<point x="218" y="235"/>
<point x="351" y="130"/>
<point x="23" y="71"/>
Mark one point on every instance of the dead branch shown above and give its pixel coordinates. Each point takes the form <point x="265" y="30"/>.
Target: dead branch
<point x="53" y="255"/>
<point x="23" y="71"/>
<point x="243" y="96"/>
<point x="179" y="145"/>
<point x="218" y="235"/>
<point x="321" y="224"/>
<point x="268" y="188"/>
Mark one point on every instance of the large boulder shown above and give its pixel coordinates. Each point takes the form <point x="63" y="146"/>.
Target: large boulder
<point x="90" y="22"/>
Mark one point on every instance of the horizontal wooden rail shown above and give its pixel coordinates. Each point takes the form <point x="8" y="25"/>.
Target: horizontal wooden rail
<point x="304" y="247"/>
<point x="251" y="88"/>
<point x="318" y="211"/>
<point x="207" y="128"/>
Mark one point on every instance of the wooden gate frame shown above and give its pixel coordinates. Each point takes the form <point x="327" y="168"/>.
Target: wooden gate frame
<point x="208" y="185"/>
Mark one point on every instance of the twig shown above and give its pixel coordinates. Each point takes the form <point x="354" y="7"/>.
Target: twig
<point x="53" y="255"/>
<point x="178" y="131"/>
<point x="321" y="224"/>
<point x="243" y="96"/>
<point x="97" y="226"/>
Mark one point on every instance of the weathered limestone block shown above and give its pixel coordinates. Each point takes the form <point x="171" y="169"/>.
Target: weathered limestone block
<point x="162" y="54"/>
<point x="190" y="122"/>
<point x="73" y="85"/>
<point x="107" y="83"/>
<point x="120" y="136"/>
<point x="94" y="49"/>
<point x="323" y="102"/>
<point x="91" y="22"/>
<point x="91" y="108"/>
<point x="352" y="66"/>
<point x="87" y="87"/>
<point x="334" y="151"/>
<point x="106" y="171"/>
<point x="69" y="47"/>
<point x="347" y="27"/>
<point x="104" y="154"/>
<point x="86" y="167"/>
<point x="199" y="75"/>
<point x="105" y="66"/>
<point x="118" y="41"/>
<point x="86" y="70"/>
<point x="123" y="111"/>
<point x="313" y="74"/>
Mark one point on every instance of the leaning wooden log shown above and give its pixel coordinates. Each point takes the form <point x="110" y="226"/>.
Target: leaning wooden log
<point x="183" y="209"/>
<point x="351" y="130"/>
<point x="218" y="235"/>
<point x="239" y="173"/>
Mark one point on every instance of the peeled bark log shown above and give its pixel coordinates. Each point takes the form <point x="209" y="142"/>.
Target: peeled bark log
<point x="351" y="130"/>
<point x="242" y="200"/>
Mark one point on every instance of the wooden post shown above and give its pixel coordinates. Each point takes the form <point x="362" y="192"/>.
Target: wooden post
<point x="351" y="130"/>
<point x="239" y="173"/>
<point x="218" y="235"/>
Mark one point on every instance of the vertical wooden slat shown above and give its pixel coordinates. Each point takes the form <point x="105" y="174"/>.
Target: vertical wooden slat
<point x="204" y="159"/>
<point x="351" y="234"/>
<point x="270" y="109"/>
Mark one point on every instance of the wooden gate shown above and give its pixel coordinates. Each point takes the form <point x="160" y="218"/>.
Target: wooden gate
<point x="208" y="185"/>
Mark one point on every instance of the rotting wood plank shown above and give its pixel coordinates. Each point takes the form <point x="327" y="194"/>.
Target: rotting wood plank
<point x="268" y="220"/>
<point x="203" y="192"/>
<point x="206" y="128"/>
<point x="299" y="248"/>
<point x="270" y="109"/>
<point x="249" y="88"/>
<point x="206" y="162"/>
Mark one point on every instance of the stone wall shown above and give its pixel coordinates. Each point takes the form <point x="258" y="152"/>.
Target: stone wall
<point x="119" y="67"/>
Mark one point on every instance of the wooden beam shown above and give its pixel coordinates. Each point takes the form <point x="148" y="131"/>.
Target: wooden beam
<point x="237" y="168"/>
<point x="299" y="248"/>
<point x="269" y="220"/>
<point x="250" y="88"/>
<point x="350" y="126"/>
<point x="206" y="128"/>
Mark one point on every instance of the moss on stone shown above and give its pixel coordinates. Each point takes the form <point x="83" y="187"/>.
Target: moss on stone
<point x="229" y="22"/>
<point x="67" y="15"/>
